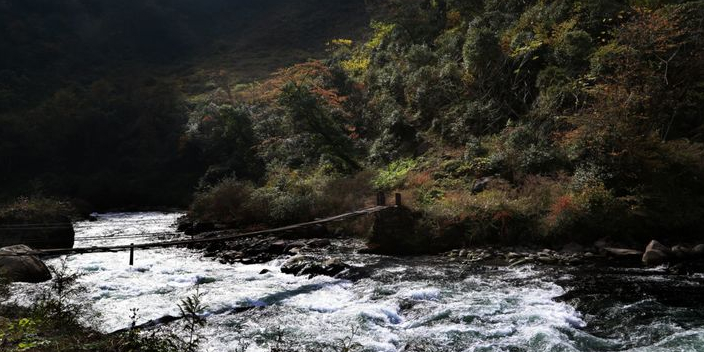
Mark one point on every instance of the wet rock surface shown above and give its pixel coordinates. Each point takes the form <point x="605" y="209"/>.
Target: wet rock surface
<point x="304" y="256"/>
<point x="301" y="265"/>
<point x="679" y="258"/>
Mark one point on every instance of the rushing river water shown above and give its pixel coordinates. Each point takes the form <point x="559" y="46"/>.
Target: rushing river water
<point x="405" y="304"/>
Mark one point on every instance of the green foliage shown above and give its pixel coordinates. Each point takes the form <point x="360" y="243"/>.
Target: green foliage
<point x="573" y="49"/>
<point x="91" y="93"/>
<point x="306" y="114"/>
<point x="288" y="196"/>
<point x="192" y="309"/>
<point x="394" y="175"/>
<point x="60" y="301"/>
<point x="224" y="135"/>
<point x="21" y="335"/>
<point x="573" y="92"/>
<point x="481" y="51"/>
<point x="224" y="202"/>
<point x="357" y="64"/>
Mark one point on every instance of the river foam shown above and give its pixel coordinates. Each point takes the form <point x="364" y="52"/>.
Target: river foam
<point x="413" y="304"/>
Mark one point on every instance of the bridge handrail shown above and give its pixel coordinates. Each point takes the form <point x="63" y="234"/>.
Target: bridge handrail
<point x="101" y="249"/>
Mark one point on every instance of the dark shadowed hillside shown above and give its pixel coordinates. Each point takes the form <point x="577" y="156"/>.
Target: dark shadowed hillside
<point x="47" y="43"/>
<point x="91" y="91"/>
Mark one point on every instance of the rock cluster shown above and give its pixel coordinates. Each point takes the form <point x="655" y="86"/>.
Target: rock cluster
<point x="601" y="252"/>
<point x="261" y="249"/>
<point x="300" y="265"/>
<point x="517" y="256"/>
<point x="657" y="253"/>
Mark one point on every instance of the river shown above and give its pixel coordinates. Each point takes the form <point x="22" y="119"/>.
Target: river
<point x="404" y="304"/>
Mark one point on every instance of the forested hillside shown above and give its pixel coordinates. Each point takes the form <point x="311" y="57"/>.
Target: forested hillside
<point x="500" y="121"/>
<point x="93" y="93"/>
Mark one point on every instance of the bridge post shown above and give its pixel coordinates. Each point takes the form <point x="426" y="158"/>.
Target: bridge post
<point x="380" y="199"/>
<point x="131" y="254"/>
<point x="398" y="199"/>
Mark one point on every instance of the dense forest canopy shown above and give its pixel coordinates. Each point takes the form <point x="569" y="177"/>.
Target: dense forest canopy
<point x="508" y="120"/>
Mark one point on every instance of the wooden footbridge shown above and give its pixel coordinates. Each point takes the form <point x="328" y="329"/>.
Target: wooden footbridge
<point x="215" y="236"/>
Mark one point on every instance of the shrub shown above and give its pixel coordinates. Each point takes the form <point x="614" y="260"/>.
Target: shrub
<point x="61" y="301"/>
<point x="224" y="202"/>
<point x="36" y="209"/>
<point x="341" y="194"/>
<point x="288" y="196"/>
<point x="394" y="175"/>
<point x="573" y="49"/>
<point x="586" y="215"/>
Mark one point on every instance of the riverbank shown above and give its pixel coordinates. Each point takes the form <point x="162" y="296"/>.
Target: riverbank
<point x="395" y="241"/>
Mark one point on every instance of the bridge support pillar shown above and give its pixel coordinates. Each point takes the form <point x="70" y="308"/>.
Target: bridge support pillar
<point x="380" y="199"/>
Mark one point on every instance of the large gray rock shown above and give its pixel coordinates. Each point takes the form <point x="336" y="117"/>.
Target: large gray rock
<point x="22" y="268"/>
<point x="698" y="249"/>
<point x="295" y="264"/>
<point x="40" y="233"/>
<point x="305" y="265"/>
<point x="655" y="253"/>
<point x="681" y="252"/>
<point x="655" y="245"/>
<point x="654" y="257"/>
<point x="481" y="184"/>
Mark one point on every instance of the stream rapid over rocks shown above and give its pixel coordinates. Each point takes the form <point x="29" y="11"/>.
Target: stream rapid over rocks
<point x="400" y="304"/>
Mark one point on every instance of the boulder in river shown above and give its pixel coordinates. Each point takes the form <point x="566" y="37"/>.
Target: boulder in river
<point x="698" y="250"/>
<point x="681" y="252"/>
<point x="654" y="257"/>
<point x="37" y="222"/>
<point x="655" y="253"/>
<point x="39" y="231"/>
<point x="22" y="268"/>
<point x="655" y="245"/>
<point x="318" y="243"/>
<point x="306" y="265"/>
<point x="295" y="264"/>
